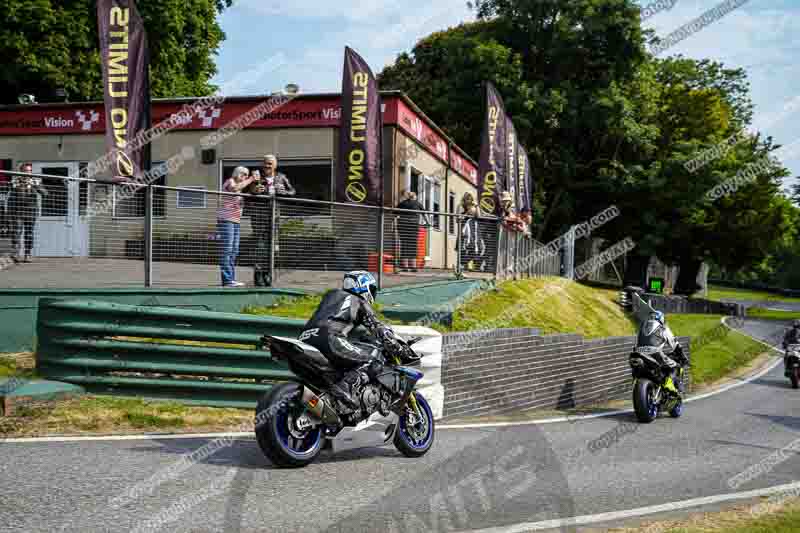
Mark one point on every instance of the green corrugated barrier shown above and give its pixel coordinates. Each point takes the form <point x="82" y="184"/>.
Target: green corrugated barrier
<point x="110" y="348"/>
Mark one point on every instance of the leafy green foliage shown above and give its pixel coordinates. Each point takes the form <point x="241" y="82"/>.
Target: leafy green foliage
<point x="718" y="357"/>
<point x="46" y="45"/>
<point x="606" y="124"/>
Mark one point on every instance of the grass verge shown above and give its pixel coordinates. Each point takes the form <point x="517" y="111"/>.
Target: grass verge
<point x="717" y="350"/>
<point x="725" y="293"/>
<point x="106" y="415"/>
<point x="19" y="365"/>
<point x="301" y="308"/>
<point x="554" y="305"/>
<point x="767" y="314"/>
<point x="742" y="518"/>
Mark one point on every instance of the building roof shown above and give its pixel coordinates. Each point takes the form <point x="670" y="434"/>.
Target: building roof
<point x="241" y="99"/>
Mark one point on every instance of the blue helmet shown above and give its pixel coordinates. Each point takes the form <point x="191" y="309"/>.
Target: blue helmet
<point x="658" y="315"/>
<point x="361" y="283"/>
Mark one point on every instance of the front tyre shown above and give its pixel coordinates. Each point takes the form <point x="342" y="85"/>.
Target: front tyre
<point x="280" y="436"/>
<point x="795" y="377"/>
<point x="415" y="434"/>
<point x="677" y="409"/>
<point x="644" y="403"/>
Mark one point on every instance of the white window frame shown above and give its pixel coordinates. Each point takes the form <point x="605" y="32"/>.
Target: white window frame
<point x="436" y="223"/>
<point x="289" y="162"/>
<point x="202" y="188"/>
<point x="451" y="209"/>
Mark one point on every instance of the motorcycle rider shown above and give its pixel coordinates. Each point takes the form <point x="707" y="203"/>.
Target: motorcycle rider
<point x="792" y="336"/>
<point x="341" y="311"/>
<point x="655" y="332"/>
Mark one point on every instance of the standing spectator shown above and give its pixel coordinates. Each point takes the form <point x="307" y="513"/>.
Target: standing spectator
<point x="23" y="210"/>
<point x="229" y="217"/>
<point x="509" y="214"/>
<point x="278" y="180"/>
<point x="472" y="244"/>
<point x="408" y="229"/>
<point x="271" y="184"/>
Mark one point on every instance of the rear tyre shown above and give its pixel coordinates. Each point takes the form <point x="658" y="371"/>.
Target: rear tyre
<point x="415" y="435"/>
<point x="795" y="377"/>
<point x="643" y="401"/>
<point x="276" y="432"/>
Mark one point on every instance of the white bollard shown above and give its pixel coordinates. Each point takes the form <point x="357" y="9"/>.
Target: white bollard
<point x="430" y="349"/>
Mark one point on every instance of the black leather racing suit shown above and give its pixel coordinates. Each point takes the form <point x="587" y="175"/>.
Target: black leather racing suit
<point x="653" y="333"/>
<point x="327" y="330"/>
<point x="792" y="336"/>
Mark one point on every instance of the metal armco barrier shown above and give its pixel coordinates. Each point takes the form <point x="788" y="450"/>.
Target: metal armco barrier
<point x="109" y="348"/>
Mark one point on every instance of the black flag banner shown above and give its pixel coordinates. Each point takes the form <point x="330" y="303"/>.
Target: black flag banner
<point x="492" y="165"/>
<point x="125" y="59"/>
<point x="358" y="176"/>
<point x="523" y="179"/>
<point x="511" y="164"/>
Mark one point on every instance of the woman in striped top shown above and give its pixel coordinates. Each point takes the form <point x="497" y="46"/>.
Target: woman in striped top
<point x="229" y="217"/>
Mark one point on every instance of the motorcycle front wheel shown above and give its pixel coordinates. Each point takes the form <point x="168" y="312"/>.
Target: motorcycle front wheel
<point x="644" y="403"/>
<point x="415" y="434"/>
<point x="279" y="436"/>
<point x="795" y="377"/>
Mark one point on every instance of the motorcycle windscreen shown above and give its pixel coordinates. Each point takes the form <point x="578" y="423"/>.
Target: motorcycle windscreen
<point x="651" y="334"/>
<point x="644" y="309"/>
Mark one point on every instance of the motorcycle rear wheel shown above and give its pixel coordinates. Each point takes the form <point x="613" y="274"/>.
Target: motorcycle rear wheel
<point x="280" y="440"/>
<point x="644" y="406"/>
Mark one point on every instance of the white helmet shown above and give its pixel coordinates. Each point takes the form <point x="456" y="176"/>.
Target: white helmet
<point x="361" y="283"/>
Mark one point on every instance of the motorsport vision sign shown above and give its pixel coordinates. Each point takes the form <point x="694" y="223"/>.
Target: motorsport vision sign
<point x="358" y="176"/>
<point x="126" y="84"/>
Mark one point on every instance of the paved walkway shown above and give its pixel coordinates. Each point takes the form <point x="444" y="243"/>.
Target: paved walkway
<point x="90" y="273"/>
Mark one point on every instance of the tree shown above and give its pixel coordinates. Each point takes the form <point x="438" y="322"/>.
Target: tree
<point x="562" y="85"/>
<point x="47" y="45"/>
<point x="606" y="124"/>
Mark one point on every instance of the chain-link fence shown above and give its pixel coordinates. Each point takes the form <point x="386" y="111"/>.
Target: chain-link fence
<point x="65" y="232"/>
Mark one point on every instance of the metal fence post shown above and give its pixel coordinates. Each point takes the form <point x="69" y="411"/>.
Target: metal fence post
<point x="274" y="243"/>
<point x="381" y="244"/>
<point x="515" y="255"/>
<point x="509" y="261"/>
<point x="497" y="267"/>
<point x="459" y="244"/>
<point x="148" y="236"/>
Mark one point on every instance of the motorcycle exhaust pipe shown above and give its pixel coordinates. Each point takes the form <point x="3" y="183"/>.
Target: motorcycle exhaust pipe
<point x="319" y="408"/>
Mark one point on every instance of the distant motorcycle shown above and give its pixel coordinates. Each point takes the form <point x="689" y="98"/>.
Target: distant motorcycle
<point x="653" y="387"/>
<point x="293" y="420"/>
<point x="793" y="364"/>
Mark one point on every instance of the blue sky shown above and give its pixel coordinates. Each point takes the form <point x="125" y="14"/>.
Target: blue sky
<point x="274" y="42"/>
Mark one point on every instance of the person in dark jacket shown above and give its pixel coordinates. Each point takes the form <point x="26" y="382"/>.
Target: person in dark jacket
<point x="340" y="312"/>
<point x="268" y="182"/>
<point x="408" y="231"/>
<point x="792" y="336"/>
<point x="23" y="210"/>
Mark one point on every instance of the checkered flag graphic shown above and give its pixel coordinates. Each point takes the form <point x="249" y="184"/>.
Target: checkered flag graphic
<point x="208" y="119"/>
<point x="86" y="122"/>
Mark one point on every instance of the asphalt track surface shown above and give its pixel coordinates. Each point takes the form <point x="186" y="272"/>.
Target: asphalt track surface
<point x="475" y="478"/>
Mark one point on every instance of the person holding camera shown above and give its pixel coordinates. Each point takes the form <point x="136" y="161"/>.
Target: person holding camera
<point x="23" y="210"/>
<point x="267" y="183"/>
